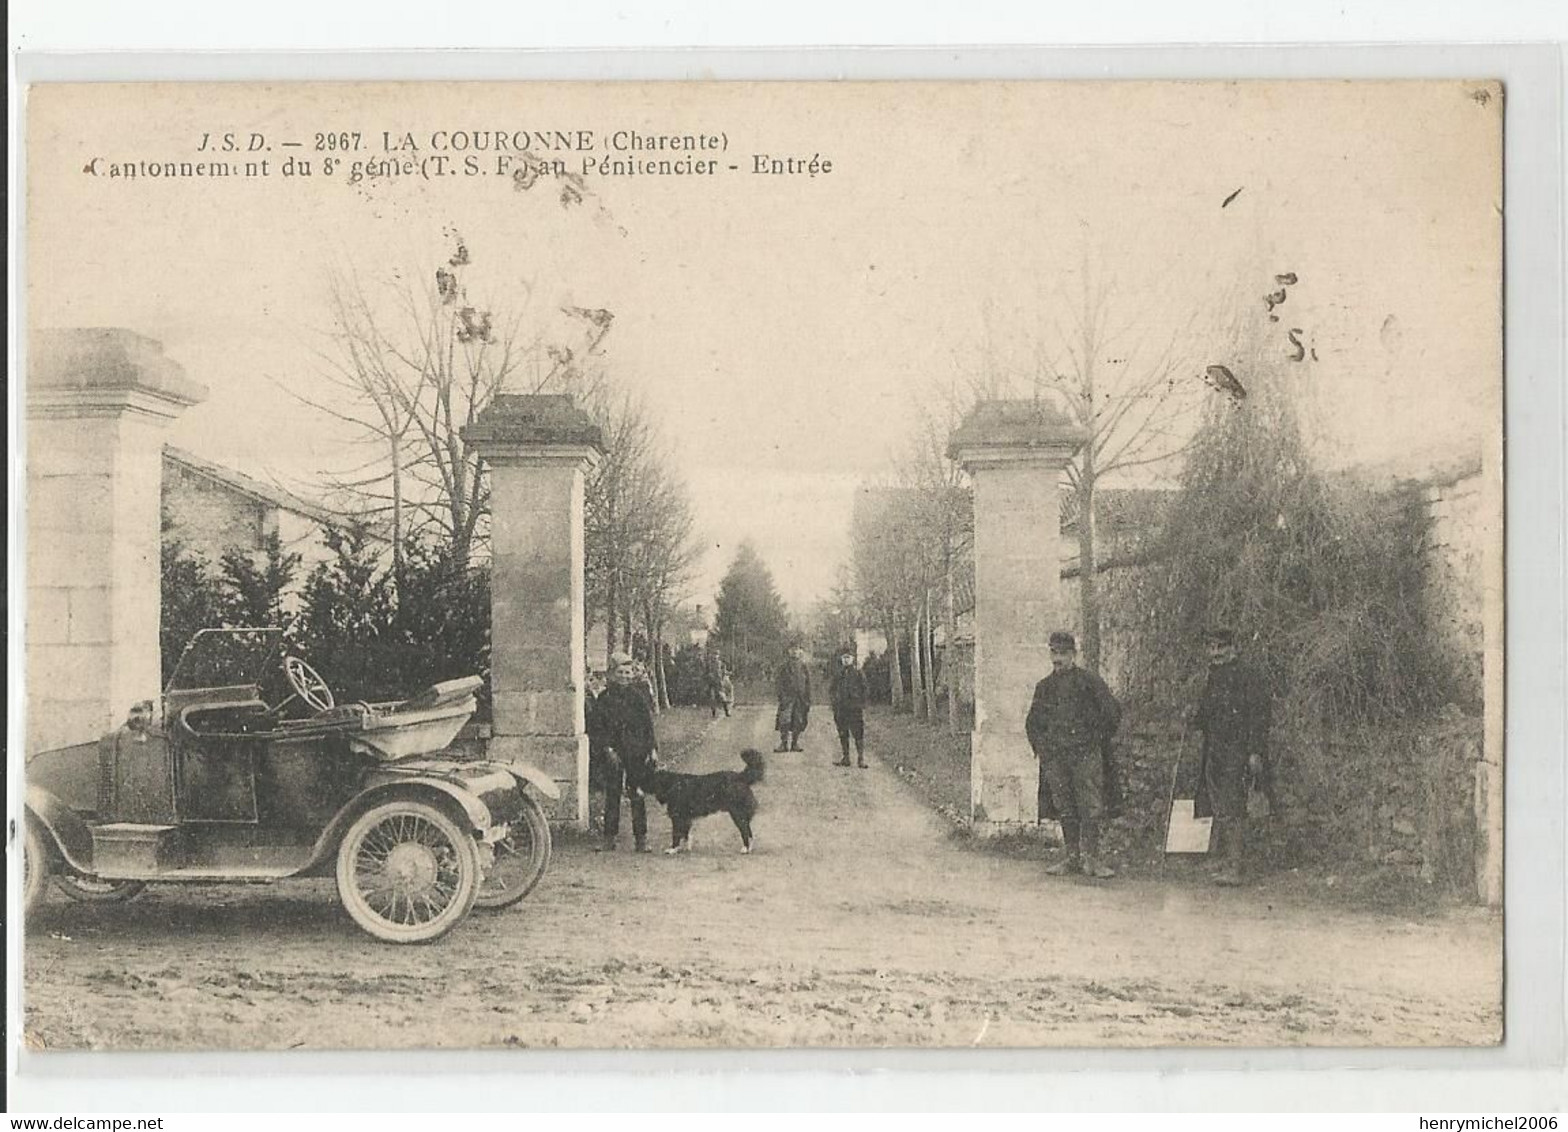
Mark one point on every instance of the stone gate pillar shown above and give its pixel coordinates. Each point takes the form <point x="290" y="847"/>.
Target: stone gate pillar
<point x="1014" y="452"/>
<point x="98" y="403"/>
<point x="538" y="448"/>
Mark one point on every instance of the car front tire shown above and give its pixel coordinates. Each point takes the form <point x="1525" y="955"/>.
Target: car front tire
<point x="92" y="890"/>
<point x="36" y="862"/>
<point x="407" y="872"/>
<point x="521" y="858"/>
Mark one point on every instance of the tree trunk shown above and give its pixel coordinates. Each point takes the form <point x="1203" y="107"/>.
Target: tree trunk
<point x="612" y="573"/>
<point x="397" y="517"/>
<point x="1088" y="566"/>
<point x="950" y="631"/>
<point x="895" y="670"/>
<point x="611" y="597"/>
<point x="663" y="673"/>
<point x="661" y="692"/>
<point x="928" y="641"/>
<point x="648" y="659"/>
<point x="916" y="675"/>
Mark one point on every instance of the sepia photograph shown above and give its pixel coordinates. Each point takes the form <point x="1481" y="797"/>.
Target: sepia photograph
<point x="762" y="565"/>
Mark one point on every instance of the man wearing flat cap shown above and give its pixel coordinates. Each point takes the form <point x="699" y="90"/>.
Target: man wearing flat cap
<point x="1070" y="724"/>
<point x="1234" y="714"/>
<point x="623" y="718"/>
<point x="847" y="694"/>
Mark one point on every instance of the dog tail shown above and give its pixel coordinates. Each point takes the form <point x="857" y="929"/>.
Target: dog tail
<point x="754" y="765"/>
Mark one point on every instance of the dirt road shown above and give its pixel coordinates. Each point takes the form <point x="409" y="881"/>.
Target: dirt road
<point x="860" y="920"/>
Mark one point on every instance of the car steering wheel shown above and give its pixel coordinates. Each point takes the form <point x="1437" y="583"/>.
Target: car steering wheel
<point x="307" y="684"/>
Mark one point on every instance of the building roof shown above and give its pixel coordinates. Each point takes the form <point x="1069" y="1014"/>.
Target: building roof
<point x="1134" y="510"/>
<point x="255" y="489"/>
<point x="1430" y="466"/>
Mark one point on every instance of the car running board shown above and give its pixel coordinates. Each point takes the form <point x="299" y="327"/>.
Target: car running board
<point x="201" y="873"/>
<point x="131" y="851"/>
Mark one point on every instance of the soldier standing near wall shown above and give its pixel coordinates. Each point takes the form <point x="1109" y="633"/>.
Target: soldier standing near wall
<point x="1234" y="714"/>
<point x="1070" y="722"/>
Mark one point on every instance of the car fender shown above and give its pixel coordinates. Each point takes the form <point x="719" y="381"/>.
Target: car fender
<point x="538" y="779"/>
<point x="385" y="786"/>
<point x="72" y="836"/>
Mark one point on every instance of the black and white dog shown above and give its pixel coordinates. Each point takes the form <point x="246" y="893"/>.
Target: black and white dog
<point x="687" y="797"/>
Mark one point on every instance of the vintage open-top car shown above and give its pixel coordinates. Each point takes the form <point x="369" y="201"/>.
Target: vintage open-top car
<point x="253" y="772"/>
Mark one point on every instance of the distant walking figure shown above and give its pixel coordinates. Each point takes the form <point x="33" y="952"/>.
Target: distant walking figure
<point x="721" y="690"/>
<point x="644" y="678"/>
<point x="1071" y="720"/>
<point x="847" y="694"/>
<point x="1234" y="714"/>
<point x="793" y="683"/>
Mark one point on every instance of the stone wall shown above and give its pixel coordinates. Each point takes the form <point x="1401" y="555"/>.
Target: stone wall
<point x="1400" y="800"/>
<point x="1455" y="548"/>
<point x="305" y="537"/>
<point x="207" y="518"/>
<point x="1405" y="800"/>
<point x="211" y="519"/>
<point x="1122" y="605"/>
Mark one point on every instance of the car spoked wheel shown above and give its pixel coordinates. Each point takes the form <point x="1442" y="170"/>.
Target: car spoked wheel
<point x="92" y="890"/>
<point x="407" y="873"/>
<point x="35" y="869"/>
<point x="521" y="858"/>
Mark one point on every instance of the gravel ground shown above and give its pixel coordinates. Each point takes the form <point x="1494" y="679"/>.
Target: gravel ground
<point x="862" y="920"/>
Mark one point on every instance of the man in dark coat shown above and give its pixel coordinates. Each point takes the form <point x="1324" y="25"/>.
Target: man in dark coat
<point x="1234" y="714"/>
<point x="1069" y="725"/>
<point x="623" y="717"/>
<point x="847" y="695"/>
<point x="1110" y="786"/>
<point x="598" y="759"/>
<point x="793" y="684"/>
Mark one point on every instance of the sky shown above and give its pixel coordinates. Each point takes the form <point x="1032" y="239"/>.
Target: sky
<point x="787" y="330"/>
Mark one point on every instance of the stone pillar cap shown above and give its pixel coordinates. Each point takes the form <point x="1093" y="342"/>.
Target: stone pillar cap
<point x="1048" y="426"/>
<point x="102" y="360"/>
<point x="534" y="420"/>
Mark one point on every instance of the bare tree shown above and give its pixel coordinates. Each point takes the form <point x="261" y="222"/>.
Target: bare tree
<point x="611" y="519"/>
<point x="1138" y="391"/>
<point x="408" y="366"/>
<point x="668" y="582"/>
<point x="892" y="557"/>
<point x="662" y="561"/>
<point x="941" y="513"/>
<point x="833" y="620"/>
<point x="639" y="530"/>
<point x="875" y="551"/>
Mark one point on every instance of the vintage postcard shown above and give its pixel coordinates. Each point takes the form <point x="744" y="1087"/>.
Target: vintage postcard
<point x="669" y="565"/>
